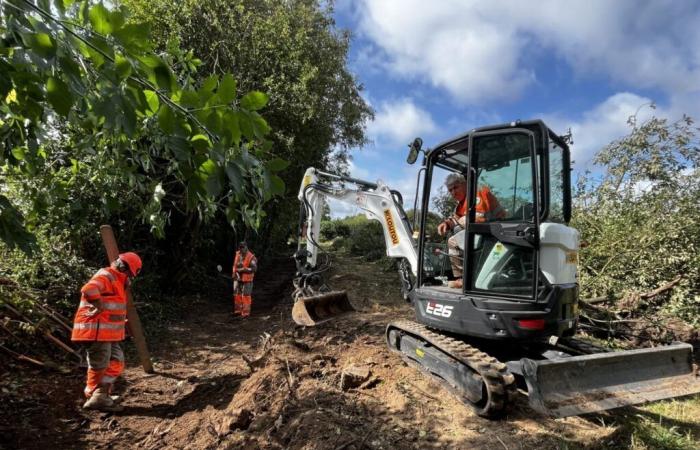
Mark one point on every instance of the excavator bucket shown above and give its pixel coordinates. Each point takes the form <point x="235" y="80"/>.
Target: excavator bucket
<point x="310" y="311"/>
<point x="589" y="383"/>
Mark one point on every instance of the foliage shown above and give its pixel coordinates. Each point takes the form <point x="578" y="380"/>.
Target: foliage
<point x="356" y="235"/>
<point x="333" y="228"/>
<point x="444" y="203"/>
<point x="87" y="98"/>
<point x="640" y="219"/>
<point x="291" y="50"/>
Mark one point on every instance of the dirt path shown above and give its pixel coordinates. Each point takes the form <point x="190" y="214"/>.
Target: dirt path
<point x="265" y="383"/>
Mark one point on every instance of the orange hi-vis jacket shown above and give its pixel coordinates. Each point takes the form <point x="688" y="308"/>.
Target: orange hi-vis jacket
<point x="245" y="277"/>
<point x="107" y="285"/>
<point x="487" y="206"/>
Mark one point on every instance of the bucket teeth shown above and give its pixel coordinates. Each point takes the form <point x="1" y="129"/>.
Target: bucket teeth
<point x="310" y="311"/>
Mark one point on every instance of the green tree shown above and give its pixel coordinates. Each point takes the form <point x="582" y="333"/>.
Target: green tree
<point x="87" y="101"/>
<point x="641" y="217"/>
<point x="291" y="50"/>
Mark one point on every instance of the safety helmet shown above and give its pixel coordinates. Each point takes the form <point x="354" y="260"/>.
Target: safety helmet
<point x="132" y="261"/>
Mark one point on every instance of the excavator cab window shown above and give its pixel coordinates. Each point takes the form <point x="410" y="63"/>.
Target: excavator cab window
<point x="502" y="215"/>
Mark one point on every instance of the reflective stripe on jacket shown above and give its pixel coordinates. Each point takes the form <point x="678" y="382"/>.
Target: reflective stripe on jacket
<point x="107" y="286"/>
<point x="245" y="277"/>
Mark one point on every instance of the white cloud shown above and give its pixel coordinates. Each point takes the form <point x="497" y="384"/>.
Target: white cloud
<point x="399" y="122"/>
<point x="602" y="124"/>
<point x="607" y="121"/>
<point x="481" y="51"/>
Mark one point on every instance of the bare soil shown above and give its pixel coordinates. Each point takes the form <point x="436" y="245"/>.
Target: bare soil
<point x="264" y="382"/>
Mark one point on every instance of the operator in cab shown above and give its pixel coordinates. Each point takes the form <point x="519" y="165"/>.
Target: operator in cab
<point x="487" y="208"/>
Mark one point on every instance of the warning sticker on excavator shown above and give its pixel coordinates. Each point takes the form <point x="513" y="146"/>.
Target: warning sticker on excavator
<point x="571" y="257"/>
<point x="420" y="353"/>
<point x="391" y="227"/>
<point x="307" y="180"/>
<point x="498" y="248"/>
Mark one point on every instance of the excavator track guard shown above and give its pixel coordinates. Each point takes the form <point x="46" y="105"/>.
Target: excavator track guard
<point x="319" y="308"/>
<point x="589" y="383"/>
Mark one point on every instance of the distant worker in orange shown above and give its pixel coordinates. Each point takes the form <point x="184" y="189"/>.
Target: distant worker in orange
<point x="100" y="325"/>
<point x="244" y="266"/>
<point x="487" y="209"/>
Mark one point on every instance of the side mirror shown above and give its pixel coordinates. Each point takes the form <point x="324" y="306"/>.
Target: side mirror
<point x="415" y="148"/>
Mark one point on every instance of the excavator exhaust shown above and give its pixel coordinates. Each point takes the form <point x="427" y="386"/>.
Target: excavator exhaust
<point x="319" y="308"/>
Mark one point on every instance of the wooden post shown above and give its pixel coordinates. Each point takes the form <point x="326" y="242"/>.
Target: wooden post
<point x="135" y="328"/>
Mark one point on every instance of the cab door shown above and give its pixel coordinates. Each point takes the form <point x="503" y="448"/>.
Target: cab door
<point x="502" y="236"/>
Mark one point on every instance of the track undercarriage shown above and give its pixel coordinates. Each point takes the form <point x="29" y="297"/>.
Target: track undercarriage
<point x="562" y="378"/>
<point x="475" y="377"/>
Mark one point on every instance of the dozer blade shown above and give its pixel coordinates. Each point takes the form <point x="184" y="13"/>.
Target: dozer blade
<point x="310" y="311"/>
<point x="583" y="384"/>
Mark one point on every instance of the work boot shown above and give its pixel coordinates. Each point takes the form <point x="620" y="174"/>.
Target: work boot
<point x="100" y="400"/>
<point x="455" y="284"/>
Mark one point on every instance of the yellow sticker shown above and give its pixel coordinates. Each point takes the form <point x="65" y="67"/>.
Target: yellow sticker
<point x="420" y="353"/>
<point x="307" y="180"/>
<point x="392" y="228"/>
<point x="571" y="257"/>
<point x="498" y="248"/>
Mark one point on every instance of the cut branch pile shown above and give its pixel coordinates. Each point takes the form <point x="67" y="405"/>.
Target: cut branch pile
<point x="31" y="331"/>
<point x="636" y="319"/>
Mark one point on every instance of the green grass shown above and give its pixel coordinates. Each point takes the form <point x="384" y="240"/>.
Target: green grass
<point x="666" y="425"/>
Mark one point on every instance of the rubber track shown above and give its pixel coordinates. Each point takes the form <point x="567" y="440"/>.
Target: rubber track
<point x="499" y="382"/>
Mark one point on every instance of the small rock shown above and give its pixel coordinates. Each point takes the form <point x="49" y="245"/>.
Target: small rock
<point x="354" y="376"/>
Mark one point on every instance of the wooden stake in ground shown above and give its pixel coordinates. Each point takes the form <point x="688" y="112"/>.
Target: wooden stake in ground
<point x="134" y="324"/>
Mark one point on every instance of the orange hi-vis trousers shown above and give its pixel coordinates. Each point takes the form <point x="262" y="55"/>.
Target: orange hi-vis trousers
<point x="242" y="299"/>
<point x="105" y="364"/>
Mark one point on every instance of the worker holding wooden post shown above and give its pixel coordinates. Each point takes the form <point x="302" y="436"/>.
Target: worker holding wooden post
<point x="100" y="323"/>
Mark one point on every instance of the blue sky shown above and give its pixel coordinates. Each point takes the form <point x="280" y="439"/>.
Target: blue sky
<point x="437" y="69"/>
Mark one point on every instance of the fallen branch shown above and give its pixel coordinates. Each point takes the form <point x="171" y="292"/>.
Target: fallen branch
<point x="56" y="316"/>
<point x="58" y="342"/>
<point x="21" y="357"/>
<point x="46" y="333"/>
<point x="661" y="289"/>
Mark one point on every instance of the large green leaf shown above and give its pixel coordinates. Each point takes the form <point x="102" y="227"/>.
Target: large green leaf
<point x="260" y="126"/>
<point x="43" y="44"/>
<point x="254" y="100"/>
<point x="227" y="89"/>
<point x="100" y="19"/>
<point x="232" y="127"/>
<point x="235" y="176"/>
<point x="134" y="37"/>
<point x="166" y="119"/>
<point x="152" y="100"/>
<point x="277" y="164"/>
<point x="123" y="66"/>
<point x="164" y="78"/>
<point x="200" y="142"/>
<point x="59" y="95"/>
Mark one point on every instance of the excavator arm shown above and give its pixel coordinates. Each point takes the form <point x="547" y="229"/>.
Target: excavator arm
<point x="314" y="300"/>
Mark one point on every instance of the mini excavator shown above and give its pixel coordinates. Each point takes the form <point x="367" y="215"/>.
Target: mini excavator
<point x="512" y="324"/>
